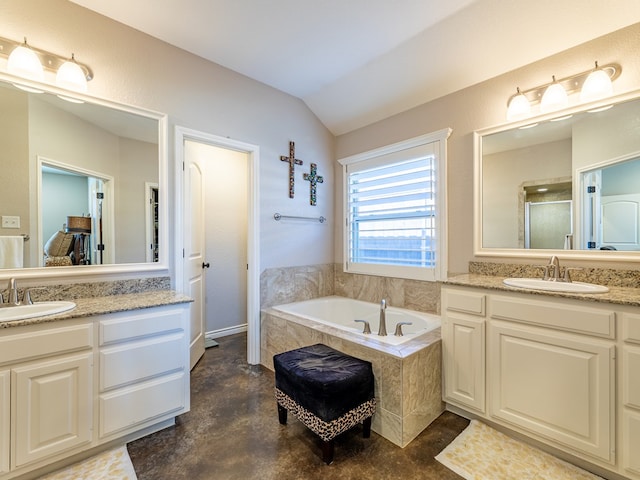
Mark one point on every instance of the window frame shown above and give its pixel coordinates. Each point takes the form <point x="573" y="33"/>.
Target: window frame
<point x="394" y="152"/>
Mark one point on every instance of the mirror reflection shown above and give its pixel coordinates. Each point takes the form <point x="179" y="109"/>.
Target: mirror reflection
<point x="572" y="183"/>
<point x="79" y="183"/>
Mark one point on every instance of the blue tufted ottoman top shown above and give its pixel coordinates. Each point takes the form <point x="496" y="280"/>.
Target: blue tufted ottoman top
<point x="323" y="380"/>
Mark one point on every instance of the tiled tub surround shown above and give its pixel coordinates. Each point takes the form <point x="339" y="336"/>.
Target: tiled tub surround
<point x="294" y="284"/>
<point x="407" y="376"/>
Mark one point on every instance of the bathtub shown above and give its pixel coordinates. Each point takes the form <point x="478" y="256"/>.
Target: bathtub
<point x="407" y="369"/>
<point x="342" y="313"/>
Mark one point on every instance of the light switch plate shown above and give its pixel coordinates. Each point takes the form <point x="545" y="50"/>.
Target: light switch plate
<point x="10" y="221"/>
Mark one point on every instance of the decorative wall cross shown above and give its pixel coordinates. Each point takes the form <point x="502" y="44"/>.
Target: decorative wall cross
<point x="293" y="161"/>
<point x="313" y="178"/>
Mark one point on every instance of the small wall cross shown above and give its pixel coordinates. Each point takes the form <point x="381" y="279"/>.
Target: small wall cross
<point x="313" y="178"/>
<point x="293" y="161"/>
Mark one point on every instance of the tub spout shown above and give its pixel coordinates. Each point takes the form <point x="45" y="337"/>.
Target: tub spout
<point x="382" y="328"/>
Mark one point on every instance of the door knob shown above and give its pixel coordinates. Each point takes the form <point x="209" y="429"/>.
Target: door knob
<point x="206" y="265"/>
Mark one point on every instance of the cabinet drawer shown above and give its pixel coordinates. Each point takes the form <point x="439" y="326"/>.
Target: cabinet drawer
<point x="572" y="318"/>
<point x="136" y="361"/>
<point x="127" y="326"/>
<point x="40" y="343"/>
<point x="631" y="328"/>
<point x="129" y="407"/>
<point x="631" y="376"/>
<point x="466" y="302"/>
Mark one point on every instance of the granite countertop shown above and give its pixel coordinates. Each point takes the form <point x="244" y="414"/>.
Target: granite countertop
<point x="86" y="307"/>
<point x="617" y="295"/>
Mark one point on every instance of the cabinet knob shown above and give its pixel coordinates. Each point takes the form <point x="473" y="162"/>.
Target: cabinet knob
<point x="206" y="265"/>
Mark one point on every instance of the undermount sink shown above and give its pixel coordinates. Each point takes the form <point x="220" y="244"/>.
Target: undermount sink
<point x="568" y="287"/>
<point x="37" y="309"/>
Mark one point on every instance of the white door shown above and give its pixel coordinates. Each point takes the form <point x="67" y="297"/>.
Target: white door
<point x="195" y="248"/>
<point x="621" y="221"/>
<point x="188" y="269"/>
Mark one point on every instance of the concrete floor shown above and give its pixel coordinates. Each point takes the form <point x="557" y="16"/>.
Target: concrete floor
<point x="232" y="432"/>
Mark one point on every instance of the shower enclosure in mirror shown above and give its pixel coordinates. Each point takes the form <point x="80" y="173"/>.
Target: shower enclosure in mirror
<point x="570" y="183"/>
<point x="90" y="162"/>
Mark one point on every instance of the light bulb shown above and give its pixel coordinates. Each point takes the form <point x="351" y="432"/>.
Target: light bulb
<point x="596" y="86"/>
<point x="70" y="76"/>
<point x="519" y="107"/>
<point x="554" y="97"/>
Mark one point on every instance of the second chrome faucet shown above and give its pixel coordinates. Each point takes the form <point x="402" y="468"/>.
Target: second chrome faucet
<point x="382" y="328"/>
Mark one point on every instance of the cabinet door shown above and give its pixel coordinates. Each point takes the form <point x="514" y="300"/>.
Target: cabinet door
<point x="4" y="421"/>
<point x="464" y="361"/>
<point x="631" y="441"/>
<point x="557" y="385"/>
<point x="53" y="407"/>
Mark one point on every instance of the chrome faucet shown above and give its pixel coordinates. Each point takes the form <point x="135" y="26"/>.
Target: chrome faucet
<point x="552" y="270"/>
<point x="382" y="328"/>
<point x="12" y="299"/>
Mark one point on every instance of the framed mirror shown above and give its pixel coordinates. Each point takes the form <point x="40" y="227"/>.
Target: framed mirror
<point x="83" y="185"/>
<point x="566" y="184"/>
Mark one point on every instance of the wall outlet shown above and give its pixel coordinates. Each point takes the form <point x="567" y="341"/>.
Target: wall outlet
<point x="10" y="221"/>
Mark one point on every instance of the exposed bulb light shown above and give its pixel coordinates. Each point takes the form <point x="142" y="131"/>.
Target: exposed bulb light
<point x="519" y="106"/>
<point x="554" y="98"/>
<point x="24" y="62"/>
<point x="596" y="86"/>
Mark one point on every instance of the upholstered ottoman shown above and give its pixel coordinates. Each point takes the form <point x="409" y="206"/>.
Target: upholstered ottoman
<point x="328" y="391"/>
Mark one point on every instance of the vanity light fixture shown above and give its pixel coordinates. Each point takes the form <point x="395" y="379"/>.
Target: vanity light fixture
<point x="24" y="62"/>
<point x="554" y="98"/>
<point x="519" y="106"/>
<point x="594" y="84"/>
<point x="28" y="62"/>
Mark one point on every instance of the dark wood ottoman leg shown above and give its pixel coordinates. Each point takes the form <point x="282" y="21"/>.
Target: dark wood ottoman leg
<point x="327" y="452"/>
<point x="282" y="415"/>
<point x="366" y="427"/>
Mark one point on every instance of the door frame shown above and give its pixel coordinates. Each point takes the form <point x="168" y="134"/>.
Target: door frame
<point x="253" y="227"/>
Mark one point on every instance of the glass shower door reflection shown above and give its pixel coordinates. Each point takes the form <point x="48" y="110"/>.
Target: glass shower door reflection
<point x="547" y="224"/>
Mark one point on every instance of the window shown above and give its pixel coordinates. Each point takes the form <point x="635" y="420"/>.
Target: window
<point x="395" y="212"/>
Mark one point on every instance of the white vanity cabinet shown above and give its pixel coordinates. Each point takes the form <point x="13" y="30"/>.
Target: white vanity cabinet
<point x="546" y="380"/>
<point x="144" y="369"/>
<point x="4" y="420"/>
<point x="564" y="372"/>
<point x="46" y="387"/>
<point x="68" y="386"/>
<point x="463" y="334"/>
<point x="631" y="394"/>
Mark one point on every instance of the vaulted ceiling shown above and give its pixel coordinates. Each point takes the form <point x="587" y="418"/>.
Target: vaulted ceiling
<point x="354" y="62"/>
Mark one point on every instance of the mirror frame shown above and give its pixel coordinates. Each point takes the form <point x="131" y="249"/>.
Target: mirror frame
<point x="479" y="250"/>
<point x="161" y="267"/>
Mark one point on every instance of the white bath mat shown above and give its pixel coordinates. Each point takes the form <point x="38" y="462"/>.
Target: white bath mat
<point x="110" y="465"/>
<point x="482" y="453"/>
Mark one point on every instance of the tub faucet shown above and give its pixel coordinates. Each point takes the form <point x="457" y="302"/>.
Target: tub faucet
<point x="382" y="329"/>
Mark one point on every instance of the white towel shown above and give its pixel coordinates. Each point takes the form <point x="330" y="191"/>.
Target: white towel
<point x="11" y="251"/>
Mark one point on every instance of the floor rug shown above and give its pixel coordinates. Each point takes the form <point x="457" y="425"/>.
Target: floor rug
<point x="482" y="453"/>
<point x="210" y="342"/>
<point x="110" y="465"/>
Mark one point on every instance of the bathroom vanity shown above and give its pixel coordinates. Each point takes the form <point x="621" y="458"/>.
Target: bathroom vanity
<point x="559" y="369"/>
<point x="112" y="370"/>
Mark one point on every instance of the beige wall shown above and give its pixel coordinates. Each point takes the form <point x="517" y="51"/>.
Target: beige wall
<point x="136" y="69"/>
<point x="480" y="106"/>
